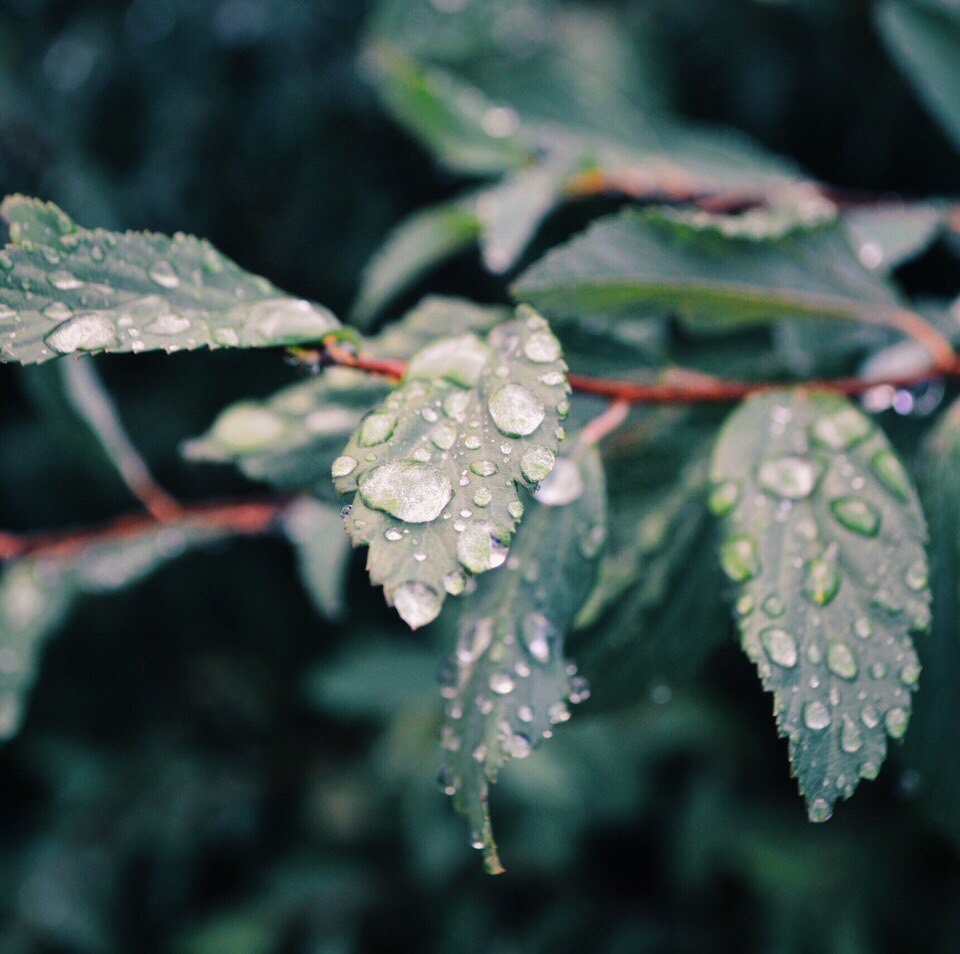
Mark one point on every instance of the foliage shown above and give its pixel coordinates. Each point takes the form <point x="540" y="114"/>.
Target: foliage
<point x="685" y="389"/>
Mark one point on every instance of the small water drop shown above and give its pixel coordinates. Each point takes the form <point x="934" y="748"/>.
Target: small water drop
<point x="164" y="275"/>
<point x="890" y="473"/>
<point x="542" y="347"/>
<point x="343" y="466"/>
<point x="480" y="549"/>
<point x="724" y="497"/>
<point x="376" y="428"/>
<point x="738" y="556"/>
<point x="536" y="463"/>
<point x="842" y="429"/>
<point x="851" y="738"/>
<point x="896" y="721"/>
<point x="822" y="581"/>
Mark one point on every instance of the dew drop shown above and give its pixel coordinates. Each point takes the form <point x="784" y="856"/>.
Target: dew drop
<point x="851" y="738"/>
<point x="816" y="716"/>
<point x="842" y="429"/>
<point x="916" y="577"/>
<point x="516" y="410"/>
<point x="376" y="428"/>
<point x="454" y="582"/>
<point x="896" y="721"/>
<point x="822" y="581"/>
<point x="443" y="435"/>
<point x="460" y="360"/>
<point x="343" y="466"/>
<point x="724" y="497"/>
<point x="738" y="556"/>
<point x="857" y="515"/>
<point x="536" y="463"/>
<point x="841" y="660"/>
<point x="501" y="683"/>
<point x="819" y="811"/>
<point x="482" y="497"/>
<point x="780" y="646"/>
<point x="408" y="490"/>
<point x="515" y="509"/>
<point x="88" y="332"/>
<point x="164" y="275"/>
<point x="484" y="468"/>
<point x="891" y="474"/>
<point x="417" y="604"/>
<point x="542" y="347"/>
<point x="793" y="478"/>
<point x="478" y="549"/>
<point x="773" y="606"/>
<point x="64" y="280"/>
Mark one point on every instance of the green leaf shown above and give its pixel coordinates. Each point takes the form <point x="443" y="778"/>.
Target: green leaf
<point x="508" y="683"/>
<point x="824" y="537"/>
<point x="659" y="260"/>
<point x="453" y="119"/>
<point x="36" y="597"/>
<point x="934" y="728"/>
<point x="924" y="39"/>
<point x="95" y="291"/>
<point x="413" y="248"/>
<point x="323" y="554"/>
<point x="435" y="469"/>
<point x="887" y="237"/>
<point x="290" y="439"/>
<point x="33" y="222"/>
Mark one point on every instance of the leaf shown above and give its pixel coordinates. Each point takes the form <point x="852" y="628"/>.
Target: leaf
<point x="508" y="684"/>
<point x="417" y="245"/>
<point x="36" y="597"/>
<point x="96" y="291"/>
<point x="454" y="120"/>
<point x="290" y="439"/>
<point x="935" y="730"/>
<point x="824" y="537"/>
<point x="924" y="39"/>
<point x="715" y="282"/>
<point x="323" y="554"/>
<point x="33" y="222"/>
<point x="435" y="469"/>
<point x="887" y="237"/>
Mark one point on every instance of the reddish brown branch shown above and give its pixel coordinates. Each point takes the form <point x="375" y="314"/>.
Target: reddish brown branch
<point x="247" y="517"/>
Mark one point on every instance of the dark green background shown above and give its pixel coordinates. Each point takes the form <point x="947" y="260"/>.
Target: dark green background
<point x="181" y="782"/>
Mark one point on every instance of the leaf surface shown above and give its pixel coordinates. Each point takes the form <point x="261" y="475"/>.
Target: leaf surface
<point x="435" y="469"/>
<point x="824" y="538"/>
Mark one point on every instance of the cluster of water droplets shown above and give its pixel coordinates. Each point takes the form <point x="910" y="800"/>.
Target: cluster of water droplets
<point x="815" y="537"/>
<point x="472" y="419"/>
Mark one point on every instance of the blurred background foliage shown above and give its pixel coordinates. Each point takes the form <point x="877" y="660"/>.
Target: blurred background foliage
<point x="208" y="766"/>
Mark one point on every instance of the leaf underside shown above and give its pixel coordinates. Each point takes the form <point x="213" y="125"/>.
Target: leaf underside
<point x="69" y="290"/>
<point x="435" y="469"/>
<point x="508" y="684"/>
<point x="824" y="537"/>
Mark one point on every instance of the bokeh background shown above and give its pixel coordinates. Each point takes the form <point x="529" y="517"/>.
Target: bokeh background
<point x="206" y="764"/>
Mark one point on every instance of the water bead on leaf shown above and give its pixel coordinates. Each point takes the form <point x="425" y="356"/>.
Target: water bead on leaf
<point x="408" y="490"/>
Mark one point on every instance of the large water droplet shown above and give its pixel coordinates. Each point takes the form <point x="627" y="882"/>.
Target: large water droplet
<point x="891" y="474"/>
<point x="857" y="515"/>
<point x="164" y="275"/>
<point x="841" y="660"/>
<point x="562" y="486"/>
<point x="376" y="428"/>
<point x="542" y="347"/>
<point x="343" y="466"/>
<point x="408" y="490"/>
<point x="738" y="556"/>
<point x="168" y="324"/>
<point x="536" y="463"/>
<point x="443" y="435"/>
<point x="791" y="477"/>
<point x="816" y="715"/>
<point x="460" y="360"/>
<point x="780" y="646"/>
<point x="516" y="410"/>
<point x="842" y="429"/>
<point x="283" y="321"/>
<point x="417" y="604"/>
<point x="87" y="332"/>
<point x="479" y="549"/>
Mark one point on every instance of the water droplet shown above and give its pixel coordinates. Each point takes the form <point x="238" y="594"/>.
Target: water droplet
<point x="780" y="646"/>
<point x="455" y="405"/>
<point x="551" y="378"/>
<point x="343" y="466"/>
<point x="536" y="462"/>
<point x="819" y="811"/>
<point x="579" y="690"/>
<point x="64" y="280"/>
<point x="167" y="324"/>
<point x="857" y="515"/>
<point x="773" y="606"/>
<point x="484" y="468"/>
<point x="482" y="497"/>
<point x="896" y="721"/>
<point x="454" y="582"/>
<point x="376" y="428"/>
<point x="842" y="429"/>
<point x="542" y="347"/>
<point x="841" y="660"/>
<point x="472" y="442"/>
<point x="878" y="670"/>
<point x="910" y="674"/>
<point x="724" y="497"/>
<point x="890" y="473"/>
<point x="417" y="604"/>
<point x="164" y="275"/>
<point x="443" y="435"/>
<point x="87" y="332"/>
<point x="869" y="716"/>
<point x="869" y="770"/>
<point x="562" y="486"/>
<point x="501" y="683"/>
<point x="515" y="509"/>
<point x="745" y="605"/>
<point x="408" y="490"/>
<point x="282" y="321"/>
<point x="863" y="628"/>
<point x="738" y="556"/>
<point x="57" y="311"/>
<point x="816" y="715"/>
<point x="516" y="410"/>
<point x="791" y="477"/>
<point x="393" y="534"/>
<point x="851" y="738"/>
<point x="822" y="580"/>
<point x="537" y="632"/>
<point x="479" y="549"/>
<point x="916" y="577"/>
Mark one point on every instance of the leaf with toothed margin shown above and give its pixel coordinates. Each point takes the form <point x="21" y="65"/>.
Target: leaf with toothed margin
<point x="92" y="290"/>
<point x="290" y="439"/>
<point x="824" y="537"/>
<point x="435" y="469"/>
<point x="508" y="683"/>
<point x="36" y="596"/>
<point x="714" y="281"/>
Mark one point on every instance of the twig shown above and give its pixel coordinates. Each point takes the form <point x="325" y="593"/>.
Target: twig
<point x="603" y="424"/>
<point x="85" y="391"/>
<point x="248" y="517"/>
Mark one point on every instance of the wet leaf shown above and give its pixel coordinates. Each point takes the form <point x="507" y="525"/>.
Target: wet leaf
<point x="435" y="469"/>
<point x="508" y="684"/>
<point x="823" y="538"/>
<point x="98" y="291"/>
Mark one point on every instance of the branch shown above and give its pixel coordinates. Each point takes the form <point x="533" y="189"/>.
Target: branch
<point x="246" y="517"/>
